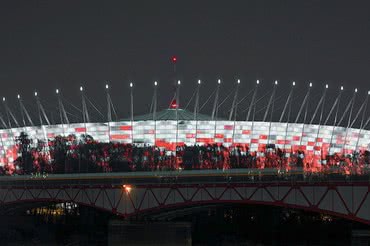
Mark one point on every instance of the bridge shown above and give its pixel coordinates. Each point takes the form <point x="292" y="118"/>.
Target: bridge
<point x="144" y="193"/>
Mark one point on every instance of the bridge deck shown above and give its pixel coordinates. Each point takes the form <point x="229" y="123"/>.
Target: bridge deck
<point x="186" y="177"/>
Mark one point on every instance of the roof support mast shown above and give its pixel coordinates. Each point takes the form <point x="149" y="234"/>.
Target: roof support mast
<point x="288" y="102"/>
<point x="234" y="101"/>
<point x="271" y="103"/>
<point x="155" y="111"/>
<point x="21" y="110"/>
<point x="62" y="112"/>
<point x="336" y="104"/>
<point x="234" y="109"/>
<point x="132" y="111"/>
<point x="363" y="105"/>
<point x="215" y="108"/>
<point x="41" y="110"/>
<point x="252" y="101"/>
<point x="351" y="104"/>
<point x="9" y="114"/>
<point x="155" y="100"/>
<point x="109" y="109"/>
<point x="322" y="103"/>
<point x="177" y="109"/>
<point x="215" y="103"/>
<point x="252" y="106"/>
<point x="362" y="119"/>
<point x="337" y="100"/>
<point x="3" y="121"/>
<point x="24" y="110"/>
<point x="347" y="108"/>
<point x="304" y="103"/>
<point x="196" y="105"/>
<point x="85" y="112"/>
<point x="196" y="110"/>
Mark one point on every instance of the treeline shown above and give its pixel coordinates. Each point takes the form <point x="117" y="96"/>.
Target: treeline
<point x="85" y="155"/>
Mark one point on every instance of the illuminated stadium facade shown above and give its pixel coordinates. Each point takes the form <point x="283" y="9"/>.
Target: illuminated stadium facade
<point x="175" y="127"/>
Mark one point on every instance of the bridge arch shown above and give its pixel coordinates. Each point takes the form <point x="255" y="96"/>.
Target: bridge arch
<point x="346" y="200"/>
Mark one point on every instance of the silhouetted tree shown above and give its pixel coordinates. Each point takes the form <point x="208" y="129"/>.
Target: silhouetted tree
<point x="25" y="161"/>
<point x="58" y="153"/>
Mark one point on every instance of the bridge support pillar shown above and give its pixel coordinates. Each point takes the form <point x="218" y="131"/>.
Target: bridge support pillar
<point x="149" y="233"/>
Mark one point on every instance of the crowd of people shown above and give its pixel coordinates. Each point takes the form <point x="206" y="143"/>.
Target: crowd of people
<point x="74" y="155"/>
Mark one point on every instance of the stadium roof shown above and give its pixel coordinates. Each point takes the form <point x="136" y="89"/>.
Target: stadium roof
<point x="170" y="114"/>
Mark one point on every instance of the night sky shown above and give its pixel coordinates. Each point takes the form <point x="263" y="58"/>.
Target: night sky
<point x="46" y="45"/>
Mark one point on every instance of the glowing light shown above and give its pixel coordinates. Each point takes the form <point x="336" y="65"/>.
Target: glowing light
<point x="310" y="84"/>
<point x="199" y="82"/>
<point x="174" y="59"/>
<point x="57" y="91"/>
<point x="81" y="88"/>
<point x="276" y="82"/>
<point x="341" y="88"/>
<point x="35" y="93"/>
<point x="368" y="92"/>
<point x="173" y="104"/>
<point x="355" y="89"/>
<point x="3" y="99"/>
<point x="258" y="82"/>
<point x="19" y="96"/>
<point x="238" y="81"/>
<point x="219" y="81"/>
<point x="155" y="83"/>
<point x="127" y="188"/>
<point x="293" y="83"/>
<point x="179" y="82"/>
<point x="326" y="86"/>
<point x="131" y="84"/>
<point x="107" y="86"/>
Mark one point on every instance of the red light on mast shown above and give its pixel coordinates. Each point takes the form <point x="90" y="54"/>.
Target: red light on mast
<point x="173" y="104"/>
<point x="174" y="59"/>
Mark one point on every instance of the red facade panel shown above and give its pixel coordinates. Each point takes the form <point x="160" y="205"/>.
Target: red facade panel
<point x="120" y="136"/>
<point x="125" y="128"/>
<point x="80" y="129"/>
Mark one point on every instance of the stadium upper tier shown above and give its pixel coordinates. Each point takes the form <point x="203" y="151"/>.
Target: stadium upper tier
<point x="168" y="131"/>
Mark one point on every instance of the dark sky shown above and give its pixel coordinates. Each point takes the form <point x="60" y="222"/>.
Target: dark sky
<point x="46" y="45"/>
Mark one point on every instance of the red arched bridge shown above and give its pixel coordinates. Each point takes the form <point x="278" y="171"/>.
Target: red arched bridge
<point x="140" y="193"/>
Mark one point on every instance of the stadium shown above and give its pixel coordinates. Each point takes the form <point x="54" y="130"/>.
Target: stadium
<point x="174" y="127"/>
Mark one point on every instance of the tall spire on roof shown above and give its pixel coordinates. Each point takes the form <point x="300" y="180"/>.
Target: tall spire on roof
<point x="173" y="104"/>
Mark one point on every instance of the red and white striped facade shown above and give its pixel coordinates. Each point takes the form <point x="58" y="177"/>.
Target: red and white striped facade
<point x="315" y="140"/>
